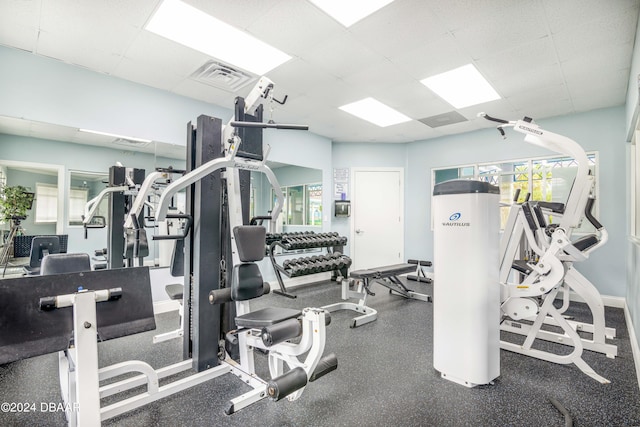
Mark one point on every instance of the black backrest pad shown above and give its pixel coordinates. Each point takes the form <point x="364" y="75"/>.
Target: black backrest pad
<point x="177" y="259"/>
<point x="26" y="331"/>
<point x="250" y="240"/>
<point x="41" y="243"/>
<point x="246" y="282"/>
<point x="65" y="263"/>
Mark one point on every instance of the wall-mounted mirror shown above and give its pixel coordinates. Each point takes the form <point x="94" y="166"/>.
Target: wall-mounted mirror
<point x="66" y="167"/>
<point x="302" y="188"/>
<point x="75" y="164"/>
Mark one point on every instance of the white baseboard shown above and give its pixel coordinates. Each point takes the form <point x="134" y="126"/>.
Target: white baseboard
<point x="607" y="300"/>
<point x="165" y="306"/>
<point x="635" y="348"/>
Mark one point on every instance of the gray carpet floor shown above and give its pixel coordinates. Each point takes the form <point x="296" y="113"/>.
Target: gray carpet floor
<point x="385" y="376"/>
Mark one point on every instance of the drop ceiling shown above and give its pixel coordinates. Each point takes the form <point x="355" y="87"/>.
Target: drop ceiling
<point x="544" y="57"/>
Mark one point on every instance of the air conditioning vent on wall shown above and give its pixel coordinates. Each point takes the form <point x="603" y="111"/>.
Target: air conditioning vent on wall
<point x="222" y="76"/>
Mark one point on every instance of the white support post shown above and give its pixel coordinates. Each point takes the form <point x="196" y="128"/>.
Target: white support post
<point x="86" y="364"/>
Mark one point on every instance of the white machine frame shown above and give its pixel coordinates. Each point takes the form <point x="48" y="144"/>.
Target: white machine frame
<point x="554" y="270"/>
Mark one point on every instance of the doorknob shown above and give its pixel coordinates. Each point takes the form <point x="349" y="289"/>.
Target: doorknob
<point x="359" y="231"/>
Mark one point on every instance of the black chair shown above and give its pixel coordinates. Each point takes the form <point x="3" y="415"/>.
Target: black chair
<point x="65" y="263"/>
<point x="41" y="246"/>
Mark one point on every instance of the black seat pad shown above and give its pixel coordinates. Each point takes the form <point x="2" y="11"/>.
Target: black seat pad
<point x="381" y="272"/>
<point x="174" y="290"/>
<point x="266" y="317"/>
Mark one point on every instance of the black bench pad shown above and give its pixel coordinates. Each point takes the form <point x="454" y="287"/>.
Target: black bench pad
<point x="385" y="271"/>
<point x="266" y="317"/>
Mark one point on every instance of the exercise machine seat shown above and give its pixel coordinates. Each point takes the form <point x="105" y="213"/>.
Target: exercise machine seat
<point x="174" y="291"/>
<point x="246" y="280"/>
<point x="65" y="263"/>
<point x="266" y="317"/>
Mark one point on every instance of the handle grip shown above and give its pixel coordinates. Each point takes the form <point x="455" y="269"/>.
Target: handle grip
<point x="268" y="125"/>
<point x="187" y="227"/>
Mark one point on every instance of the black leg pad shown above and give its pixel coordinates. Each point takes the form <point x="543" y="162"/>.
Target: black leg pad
<point x="287" y="383"/>
<point x="325" y="365"/>
<point x="280" y="332"/>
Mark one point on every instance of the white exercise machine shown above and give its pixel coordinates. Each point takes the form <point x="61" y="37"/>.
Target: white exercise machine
<point x="530" y="286"/>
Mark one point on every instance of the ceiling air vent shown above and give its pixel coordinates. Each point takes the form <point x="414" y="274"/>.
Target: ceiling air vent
<point x="222" y="76"/>
<point x="130" y="143"/>
<point x="444" y="119"/>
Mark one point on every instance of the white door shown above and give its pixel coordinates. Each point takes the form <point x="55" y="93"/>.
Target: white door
<point x="377" y="203"/>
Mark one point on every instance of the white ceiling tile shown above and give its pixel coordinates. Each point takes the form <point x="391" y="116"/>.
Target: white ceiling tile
<point x="300" y="77"/>
<point x="528" y="79"/>
<point x="155" y="54"/>
<point x="411" y="98"/>
<point x="565" y="14"/>
<point x="73" y="49"/>
<point x="460" y="13"/>
<point x="379" y="75"/>
<point x="586" y="84"/>
<point x="106" y="17"/>
<point x="240" y="14"/>
<point x="514" y="26"/>
<point x="599" y="62"/>
<point x="293" y="26"/>
<point x="613" y="30"/>
<point x="25" y="13"/>
<point x="434" y="57"/>
<point x="547" y="102"/>
<point x="396" y="31"/>
<point x="341" y="55"/>
<point x="608" y="97"/>
<point x="19" y="36"/>
<point x="517" y="60"/>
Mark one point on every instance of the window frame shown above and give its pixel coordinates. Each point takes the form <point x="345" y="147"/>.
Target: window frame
<point x="39" y="200"/>
<point x="529" y="161"/>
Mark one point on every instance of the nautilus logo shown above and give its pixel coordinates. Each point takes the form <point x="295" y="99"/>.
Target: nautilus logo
<point x="454" y="221"/>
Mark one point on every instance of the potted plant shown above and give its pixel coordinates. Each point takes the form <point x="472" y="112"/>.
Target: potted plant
<point x="15" y="202"/>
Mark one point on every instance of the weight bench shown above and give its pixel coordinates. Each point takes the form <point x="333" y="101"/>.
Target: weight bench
<point x="386" y="276"/>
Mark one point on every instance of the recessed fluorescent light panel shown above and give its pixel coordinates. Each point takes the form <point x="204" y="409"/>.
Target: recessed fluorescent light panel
<point x="130" y="138"/>
<point x="349" y="12"/>
<point x="193" y="28"/>
<point x="462" y="87"/>
<point x="375" y="112"/>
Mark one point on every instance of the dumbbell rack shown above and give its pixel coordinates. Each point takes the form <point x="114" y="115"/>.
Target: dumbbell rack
<point x="333" y="261"/>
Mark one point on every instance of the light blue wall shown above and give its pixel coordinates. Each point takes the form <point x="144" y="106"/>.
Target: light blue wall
<point x="37" y="88"/>
<point x="633" y="247"/>
<point x="600" y="130"/>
